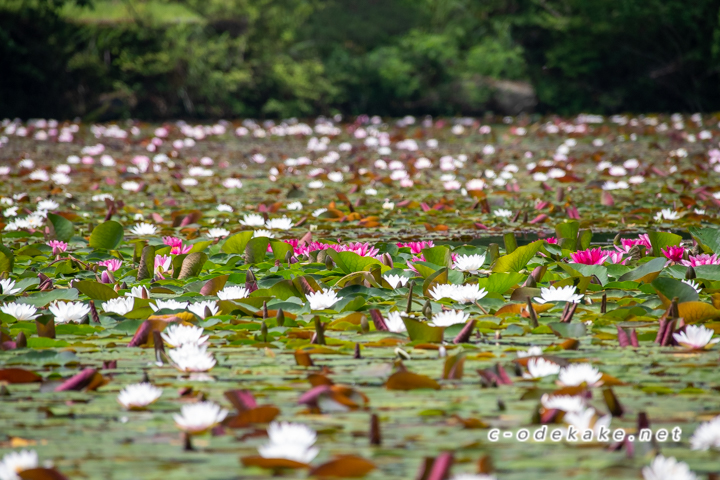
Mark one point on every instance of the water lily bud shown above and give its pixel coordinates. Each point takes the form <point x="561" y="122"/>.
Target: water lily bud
<point x="690" y="274"/>
<point x="386" y="259"/>
<point x="427" y="310"/>
<point x="280" y="318"/>
<point x="408" y="309"/>
<point x="402" y="354"/>
<point x="329" y="264"/>
<point x="442" y="352"/>
<point x="263" y="331"/>
<point x="493" y="252"/>
<point x="364" y="324"/>
<point x="616" y="240"/>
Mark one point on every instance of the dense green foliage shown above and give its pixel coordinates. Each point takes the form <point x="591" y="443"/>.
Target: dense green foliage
<point x="281" y="57"/>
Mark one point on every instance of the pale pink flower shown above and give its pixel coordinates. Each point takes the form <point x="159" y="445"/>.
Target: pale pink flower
<point x="111" y="264"/>
<point x="616" y="258"/>
<point x="57" y="246"/>
<point x="163" y="264"/>
<point x="628" y="243"/>
<point x="704" y="259"/>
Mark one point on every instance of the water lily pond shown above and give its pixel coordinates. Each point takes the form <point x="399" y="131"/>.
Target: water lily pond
<point x="420" y="298"/>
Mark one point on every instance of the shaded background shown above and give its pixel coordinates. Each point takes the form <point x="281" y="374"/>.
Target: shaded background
<point x="154" y="59"/>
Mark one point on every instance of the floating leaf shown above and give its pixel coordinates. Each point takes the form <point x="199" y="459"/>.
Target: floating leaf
<point x="410" y="381"/>
<point x="95" y="290"/>
<point x="236" y="243"/>
<point x="517" y="260"/>
<point x="423" y="332"/>
<point x="107" y="235"/>
<point x="192" y="265"/>
<point x="63" y="227"/>
<point x="347" y="466"/>
<point x="661" y="240"/>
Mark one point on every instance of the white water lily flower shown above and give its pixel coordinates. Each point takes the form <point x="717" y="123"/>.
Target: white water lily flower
<point x="283" y="223"/>
<point x="253" y="220"/>
<point x="48" y="204"/>
<point x="667" y="468"/>
<point x="192" y="357"/>
<point x="292" y="441"/>
<point x="566" y="403"/>
<point x="323" y="299"/>
<point x="8" y="287"/>
<point x="583" y="421"/>
<point x="15" y="462"/>
<point x="707" y="435"/>
<point x="169" y="304"/>
<point x="576" y="374"/>
<point x="531" y="352"/>
<point x="263" y="233"/>
<point x="395" y="323"/>
<point x="218" y="233"/>
<point x="696" y="286"/>
<point x="395" y="280"/>
<point x="449" y="317"/>
<point x="319" y="212"/>
<point x="66" y="312"/>
<point x="469" y="263"/>
<point x="177" y="335"/>
<point x="139" y="395"/>
<point x="559" y="294"/>
<point x="696" y="337"/>
<point x="196" y="418"/>
<point x="294" y="206"/>
<point x="459" y="293"/>
<point x="138" y="292"/>
<point x="20" y="311"/>
<point x="223" y="207"/>
<point x="119" y="305"/>
<point x="199" y="308"/>
<point x="667" y="214"/>
<point x="539" y="367"/>
<point x="144" y="229"/>
<point x="503" y="213"/>
<point x="233" y="292"/>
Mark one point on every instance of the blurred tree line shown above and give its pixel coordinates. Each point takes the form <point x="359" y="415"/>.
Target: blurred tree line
<point x="281" y="58"/>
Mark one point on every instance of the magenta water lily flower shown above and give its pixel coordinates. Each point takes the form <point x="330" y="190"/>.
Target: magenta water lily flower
<point x="704" y="259"/>
<point x="177" y="245"/>
<point x="591" y="256"/>
<point x="674" y="254"/>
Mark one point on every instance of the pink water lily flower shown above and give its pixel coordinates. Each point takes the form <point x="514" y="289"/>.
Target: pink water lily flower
<point x="177" y="245"/>
<point x="57" y="246"/>
<point x="628" y="243"/>
<point x="591" y="256"/>
<point x="416" y="247"/>
<point x="616" y="258"/>
<point x="163" y="264"/>
<point x="112" y="264"/>
<point x="704" y="259"/>
<point x="674" y="254"/>
<point x="362" y="249"/>
<point x="552" y="240"/>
